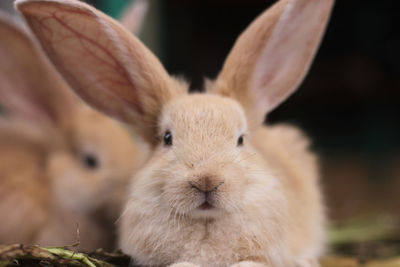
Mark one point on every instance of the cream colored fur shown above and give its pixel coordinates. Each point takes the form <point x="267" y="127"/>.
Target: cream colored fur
<point x="268" y="210"/>
<point x="203" y="198"/>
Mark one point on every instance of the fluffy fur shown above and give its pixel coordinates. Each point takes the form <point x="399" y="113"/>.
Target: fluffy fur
<point x="221" y="189"/>
<point x="267" y="210"/>
<point x="47" y="189"/>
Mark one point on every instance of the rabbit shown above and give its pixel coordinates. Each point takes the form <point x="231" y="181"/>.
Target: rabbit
<point x="134" y="15"/>
<point x="63" y="165"/>
<point x="219" y="188"/>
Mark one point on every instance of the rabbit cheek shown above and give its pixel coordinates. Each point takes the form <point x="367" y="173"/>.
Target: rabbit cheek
<point x="72" y="187"/>
<point x="231" y="193"/>
<point x="177" y="196"/>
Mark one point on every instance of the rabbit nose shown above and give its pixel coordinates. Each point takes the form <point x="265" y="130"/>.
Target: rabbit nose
<point x="206" y="184"/>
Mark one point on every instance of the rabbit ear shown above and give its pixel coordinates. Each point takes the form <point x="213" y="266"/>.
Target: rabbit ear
<point x="30" y="88"/>
<point x="105" y="64"/>
<point x="271" y="57"/>
<point x="15" y="131"/>
<point x="134" y="16"/>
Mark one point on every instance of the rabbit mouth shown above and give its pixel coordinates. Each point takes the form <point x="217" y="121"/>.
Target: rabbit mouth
<point x="205" y="206"/>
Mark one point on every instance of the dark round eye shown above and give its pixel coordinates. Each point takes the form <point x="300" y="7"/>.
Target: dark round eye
<point x="240" y="141"/>
<point x="168" y="138"/>
<point x="91" y="161"/>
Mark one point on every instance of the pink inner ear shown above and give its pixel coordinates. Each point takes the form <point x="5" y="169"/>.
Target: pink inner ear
<point x="18" y="107"/>
<point x="22" y="77"/>
<point x="134" y="16"/>
<point x="89" y="53"/>
<point x="290" y="50"/>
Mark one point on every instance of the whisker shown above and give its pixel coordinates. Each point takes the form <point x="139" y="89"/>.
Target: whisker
<point x="247" y="157"/>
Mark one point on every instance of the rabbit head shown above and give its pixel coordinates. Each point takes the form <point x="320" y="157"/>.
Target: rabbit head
<point x="204" y="166"/>
<point x="83" y="166"/>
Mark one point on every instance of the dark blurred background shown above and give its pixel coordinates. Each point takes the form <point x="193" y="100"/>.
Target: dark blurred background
<point x="349" y="104"/>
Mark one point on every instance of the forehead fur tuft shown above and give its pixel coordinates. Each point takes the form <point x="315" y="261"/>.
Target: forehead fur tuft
<point x="201" y="113"/>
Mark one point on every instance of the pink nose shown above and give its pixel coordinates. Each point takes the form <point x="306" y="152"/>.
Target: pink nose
<point x="206" y="184"/>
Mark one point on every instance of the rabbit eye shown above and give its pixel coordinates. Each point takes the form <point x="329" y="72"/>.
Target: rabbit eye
<point x="240" y="141"/>
<point x="91" y="161"/>
<point x="168" y="138"/>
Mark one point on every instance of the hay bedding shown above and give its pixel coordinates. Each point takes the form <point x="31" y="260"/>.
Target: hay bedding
<point x="33" y="256"/>
<point x="359" y="243"/>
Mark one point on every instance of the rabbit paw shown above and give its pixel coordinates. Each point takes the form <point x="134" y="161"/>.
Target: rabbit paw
<point x="183" y="264"/>
<point x="248" y="264"/>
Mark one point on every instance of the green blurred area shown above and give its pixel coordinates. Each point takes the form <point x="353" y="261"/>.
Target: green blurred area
<point x="113" y="8"/>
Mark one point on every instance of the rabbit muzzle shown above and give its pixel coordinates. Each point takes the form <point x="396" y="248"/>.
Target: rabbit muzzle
<point x="206" y="188"/>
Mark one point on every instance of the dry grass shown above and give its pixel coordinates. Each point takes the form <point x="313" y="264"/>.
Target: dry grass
<point x="365" y="242"/>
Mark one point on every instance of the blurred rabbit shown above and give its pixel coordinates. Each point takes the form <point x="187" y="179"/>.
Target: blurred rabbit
<point x="219" y="188"/>
<point x="134" y="15"/>
<point x="62" y="164"/>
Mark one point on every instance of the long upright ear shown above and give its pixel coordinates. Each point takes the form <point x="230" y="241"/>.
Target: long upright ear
<point x="134" y="15"/>
<point x="30" y="87"/>
<point x="271" y="57"/>
<point x="105" y="64"/>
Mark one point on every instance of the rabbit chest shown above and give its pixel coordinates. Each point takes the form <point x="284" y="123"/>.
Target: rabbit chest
<point x="219" y="242"/>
